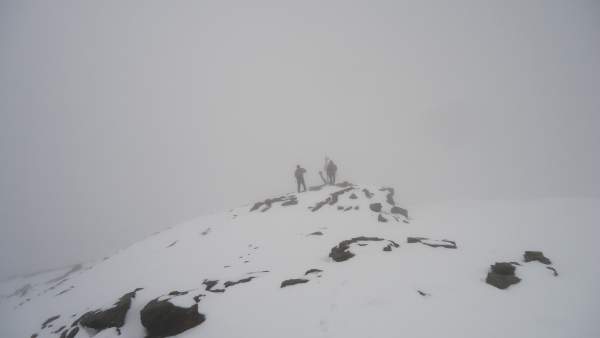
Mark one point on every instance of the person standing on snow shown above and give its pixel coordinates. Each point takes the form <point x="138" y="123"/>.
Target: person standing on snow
<point x="299" y="173"/>
<point x="331" y="172"/>
<point x="325" y="180"/>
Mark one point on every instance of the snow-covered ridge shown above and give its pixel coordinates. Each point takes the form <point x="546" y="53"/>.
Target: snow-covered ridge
<point x="336" y="261"/>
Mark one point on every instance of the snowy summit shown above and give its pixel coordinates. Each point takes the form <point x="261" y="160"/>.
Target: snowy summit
<point x="335" y="261"/>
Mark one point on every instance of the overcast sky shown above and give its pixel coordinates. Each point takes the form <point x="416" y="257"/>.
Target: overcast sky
<point x="120" y="118"/>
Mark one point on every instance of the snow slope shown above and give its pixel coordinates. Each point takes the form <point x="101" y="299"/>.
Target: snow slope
<point x="414" y="290"/>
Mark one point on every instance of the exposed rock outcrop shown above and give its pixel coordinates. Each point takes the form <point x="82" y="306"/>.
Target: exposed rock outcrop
<point x="293" y="281"/>
<point x="243" y="280"/>
<point x="444" y="243"/>
<point x="400" y="211"/>
<point x="502" y="275"/>
<point x="111" y="317"/>
<point x="162" y="318"/>
<point x="530" y="256"/>
<point x="390" y="195"/>
<point x="70" y="333"/>
<point x="375" y="207"/>
<point x="341" y="252"/>
<point x="210" y="284"/>
<point x="49" y="320"/>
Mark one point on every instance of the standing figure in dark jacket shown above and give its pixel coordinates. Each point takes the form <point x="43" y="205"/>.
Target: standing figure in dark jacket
<point x="299" y="173"/>
<point x="331" y="171"/>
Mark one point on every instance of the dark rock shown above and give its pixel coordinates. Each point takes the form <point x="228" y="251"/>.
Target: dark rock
<point x="382" y="219"/>
<point x="178" y="293"/>
<point x="290" y="202"/>
<point x="70" y="334"/>
<point x="73" y="332"/>
<point x="243" y="280"/>
<point x="197" y="298"/>
<point x="515" y="263"/>
<point x="348" y="208"/>
<point x="368" y="194"/>
<point x="49" y="320"/>
<point x="335" y="195"/>
<point x="340" y="207"/>
<point x="448" y="244"/>
<point x="502" y="275"/>
<point x="57" y="331"/>
<point x="316" y="233"/>
<point x="170" y="245"/>
<point x="353" y="196"/>
<point x="536" y="256"/>
<point x="390" y="246"/>
<point x="501" y="281"/>
<point x="506" y="269"/>
<point x="390" y="195"/>
<point x="34" y="335"/>
<point x="162" y="318"/>
<point x="320" y="204"/>
<point x="210" y="284"/>
<point x="375" y="207"/>
<point x="356" y="207"/>
<point x="398" y="210"/>
<point x="256" y="206"/>
<point x="312" y="271"/>
<point x="422" y="293"/>
<point x="112" y="317"/>
<point x="341" y="252"/>
<point x="553" y="270"/>
<point x="294" y="281"/>
<point x="65" y="291"/>
<point x="331" y="200"/>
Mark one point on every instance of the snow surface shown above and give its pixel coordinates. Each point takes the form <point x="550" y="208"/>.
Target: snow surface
<point x="374" y="293"/>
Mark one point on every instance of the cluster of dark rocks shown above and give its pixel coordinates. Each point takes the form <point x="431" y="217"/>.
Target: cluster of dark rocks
<point x="266" y="204"/>
<point x="502" y="275"/>
<point x="341" y="252"/>
<point x="295" y="281"/>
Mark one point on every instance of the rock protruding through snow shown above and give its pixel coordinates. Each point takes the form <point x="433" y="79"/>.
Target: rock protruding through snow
<point x="161" y="318"/>
<point x="111" y="317"/>
<point x="530" y="256"/>
<point x="502" y="275"/>
<point x="341" y="252"/>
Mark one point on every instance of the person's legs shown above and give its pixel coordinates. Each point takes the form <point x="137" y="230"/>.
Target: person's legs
<point x="298" y="182"/>
<point x="333" y="178"/>
<point x="303" y="184"/>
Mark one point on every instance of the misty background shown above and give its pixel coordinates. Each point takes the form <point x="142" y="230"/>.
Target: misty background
<point x="121" y="118"/>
